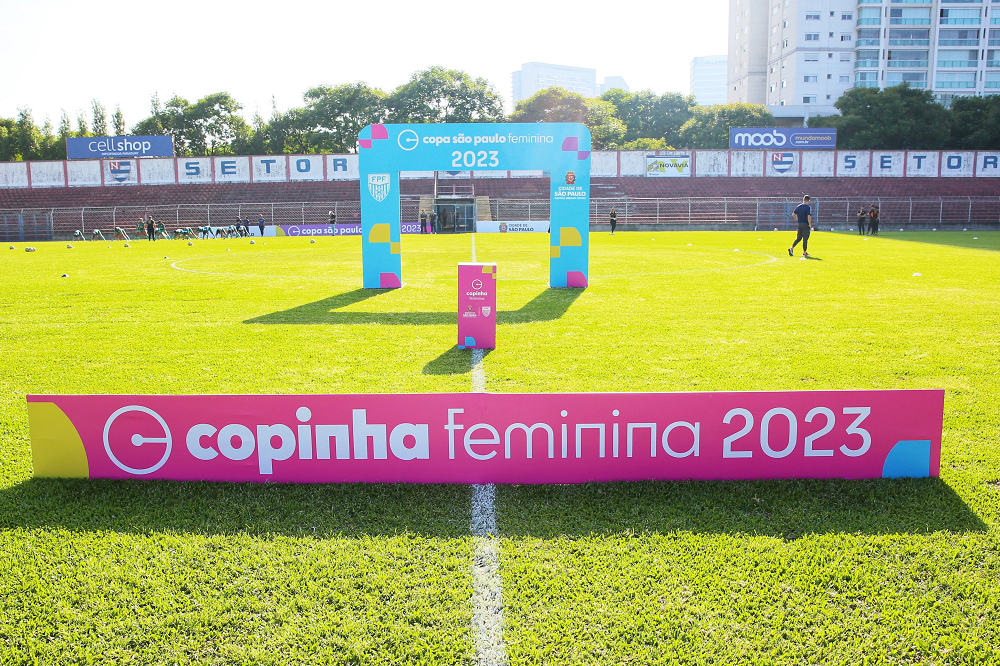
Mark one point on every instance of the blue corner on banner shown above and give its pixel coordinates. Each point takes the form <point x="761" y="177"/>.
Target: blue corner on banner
<point x="908" y="458"/>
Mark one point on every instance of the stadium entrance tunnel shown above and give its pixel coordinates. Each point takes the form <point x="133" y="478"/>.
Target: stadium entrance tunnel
<point x="561" y="148"/>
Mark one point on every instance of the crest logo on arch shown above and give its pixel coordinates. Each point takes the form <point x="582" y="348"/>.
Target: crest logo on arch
<point x="379" y="185"/>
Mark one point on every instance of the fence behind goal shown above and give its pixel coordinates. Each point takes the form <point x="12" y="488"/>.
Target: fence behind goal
<point x="738" y="212"/>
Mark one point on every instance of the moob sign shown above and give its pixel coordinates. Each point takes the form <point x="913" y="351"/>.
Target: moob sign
<point x="801" y="138"/>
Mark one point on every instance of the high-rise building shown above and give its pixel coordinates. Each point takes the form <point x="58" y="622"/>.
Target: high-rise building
<point x="535" y="76"/>
<point x="942" y="46"/>
<point x="805" y="54"/>
<point x="708" y="79"/>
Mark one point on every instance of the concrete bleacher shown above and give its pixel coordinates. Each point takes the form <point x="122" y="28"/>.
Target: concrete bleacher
<point x="501" y="188"/>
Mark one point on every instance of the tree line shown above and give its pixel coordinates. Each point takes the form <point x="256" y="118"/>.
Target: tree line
<point x="331" y="117"/>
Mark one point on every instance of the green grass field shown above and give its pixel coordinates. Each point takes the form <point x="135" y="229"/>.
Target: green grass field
<point x="796" y="572"/>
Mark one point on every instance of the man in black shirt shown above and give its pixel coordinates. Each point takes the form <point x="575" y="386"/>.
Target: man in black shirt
<point x="803" y="214"/>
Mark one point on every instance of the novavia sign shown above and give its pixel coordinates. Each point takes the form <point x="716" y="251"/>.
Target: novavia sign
<point x="561" y="148"/>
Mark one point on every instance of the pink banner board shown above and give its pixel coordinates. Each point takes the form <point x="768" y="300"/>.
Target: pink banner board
<point x="489" y="438"/>
<point x="477" y="306"/>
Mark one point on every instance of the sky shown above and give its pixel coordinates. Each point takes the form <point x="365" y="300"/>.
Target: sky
<point x="61" y="54"/>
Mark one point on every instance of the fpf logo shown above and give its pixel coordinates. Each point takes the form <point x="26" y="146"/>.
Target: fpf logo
<point x="127" y="433"/>
<point x="378" y="185"/>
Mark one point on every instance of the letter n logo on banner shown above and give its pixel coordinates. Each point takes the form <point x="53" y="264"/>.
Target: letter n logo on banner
<point x="378" y="185"/>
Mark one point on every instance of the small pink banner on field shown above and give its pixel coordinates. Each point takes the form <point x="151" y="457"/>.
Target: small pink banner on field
<point x="477" y="306"/>
<point x="489" y="438"/>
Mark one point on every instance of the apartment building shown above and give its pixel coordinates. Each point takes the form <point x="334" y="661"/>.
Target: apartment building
<point x="807" y="53"/>
<point x="951" y="47"/>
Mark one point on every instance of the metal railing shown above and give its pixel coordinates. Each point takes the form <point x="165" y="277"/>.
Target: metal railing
<point x="30" y="224"/>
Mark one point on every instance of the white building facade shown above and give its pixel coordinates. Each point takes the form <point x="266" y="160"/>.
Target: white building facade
<point x="535" y="76"/>
<point x="812" y="51"/>
<point x="951" y="47"/>
<point x="708" y="79"/>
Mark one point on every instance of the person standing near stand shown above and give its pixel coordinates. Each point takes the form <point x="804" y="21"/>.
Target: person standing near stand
<point x="423" y="222"/>
<point x="150" y="229"/>
<point x="614" y="220"/>
<point x="803" y="213"/>
<point x="333" y="223"/>
<point x="873" y="221"/>
<point x="862" y="216"/>
<point x="434" y="221"/>
<point x="260" y="224"/>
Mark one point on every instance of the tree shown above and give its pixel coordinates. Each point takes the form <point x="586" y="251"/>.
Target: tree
<point x="118" y="122"/>
<point x="558" y="105"/>
<point x="709" y="126"/>
<point x="81" y="125"/>
<point x="8" y="151"/>
<point x="209" y="126"/>
<point x="650" y="116"/>
<point x="100" y="118"/>
<point x="27" y="138"/>
<point x="333" y="117"/>
<point x="896" y="118"/>
<point x="606" y="128"/>
<point x="647" y="144"/>
<point x="975" y="123"/>
<point x="439" y="95"/>
<point x="552" y="105"/>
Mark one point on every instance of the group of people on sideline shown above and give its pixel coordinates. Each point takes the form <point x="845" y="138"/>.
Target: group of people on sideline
<point x="153" y="229"/>
<point x="868" y="221"/>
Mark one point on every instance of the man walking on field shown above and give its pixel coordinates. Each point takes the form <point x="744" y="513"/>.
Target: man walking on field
<point x="803" y="213"/>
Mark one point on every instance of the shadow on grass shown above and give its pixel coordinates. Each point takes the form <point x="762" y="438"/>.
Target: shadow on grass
<point x="783" y="509"/>
<point x="454" y="361"/>
<point x="985" y="240"/>
<point x="143" y="507"/>
<point x="786" y="509"/>
<point x="549" y="305"/>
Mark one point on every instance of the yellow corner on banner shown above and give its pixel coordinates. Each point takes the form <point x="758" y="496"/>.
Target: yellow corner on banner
<point x="569" y="237"/>
<point x="379" y="234"/>
<point x="393" y="248"/>
<point x="56" y="447"/>
<point x="488" y="269"/>
<point x="554" y="251"/>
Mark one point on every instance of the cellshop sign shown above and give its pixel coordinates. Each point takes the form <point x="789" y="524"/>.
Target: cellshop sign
<point x="782" y="137"/>
<point x="93" y="147"/>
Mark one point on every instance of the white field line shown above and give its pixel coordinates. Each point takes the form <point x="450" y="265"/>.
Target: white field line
<point x="487" y="586"/>
<point x="478" y="372"/>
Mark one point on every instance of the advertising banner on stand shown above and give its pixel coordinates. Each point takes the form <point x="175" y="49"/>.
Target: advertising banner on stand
<point x="512" y="227"/>
<point x="668" y="166"/>
<point x="489" y="438"/>
<point x="477" y="306"/>
<point x="93" y="147"/>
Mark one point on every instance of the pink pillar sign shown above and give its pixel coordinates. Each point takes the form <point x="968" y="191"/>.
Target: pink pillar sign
<point x="477" y="306"/>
